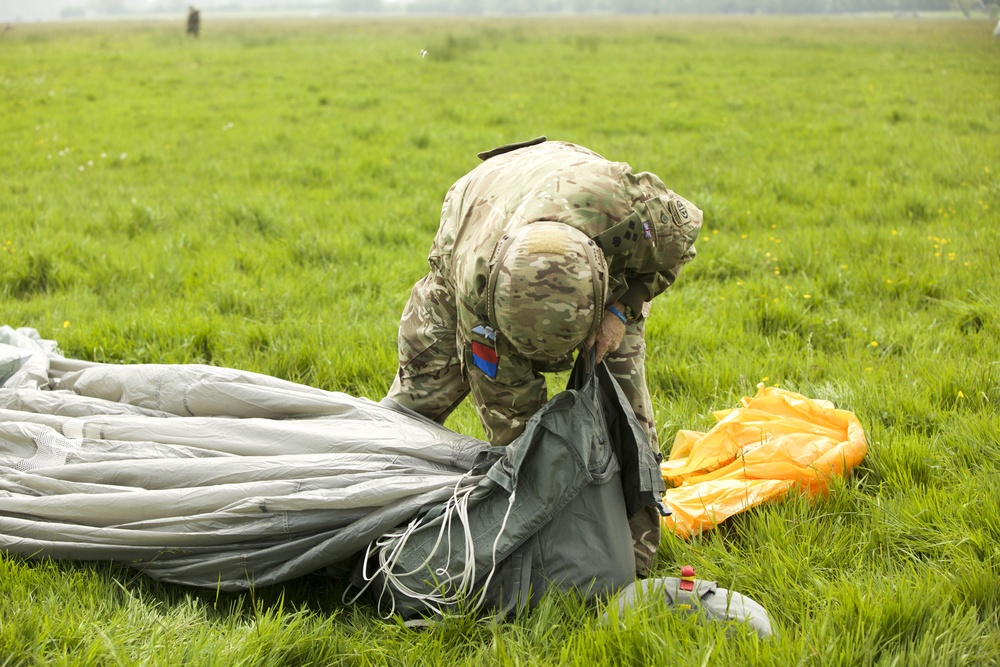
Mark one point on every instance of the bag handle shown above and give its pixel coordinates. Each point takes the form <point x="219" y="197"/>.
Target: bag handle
<point x="584" y="369"/>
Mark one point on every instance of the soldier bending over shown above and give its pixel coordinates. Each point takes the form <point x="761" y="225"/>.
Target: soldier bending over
<point x="543" y="249"/>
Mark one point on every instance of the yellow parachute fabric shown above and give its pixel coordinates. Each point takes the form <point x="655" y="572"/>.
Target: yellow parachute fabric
<point x="778" y="440"/>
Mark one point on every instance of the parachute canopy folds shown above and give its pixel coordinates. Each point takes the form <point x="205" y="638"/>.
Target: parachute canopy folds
<point x="775" y="442"/>
<point x="206" y="476"/>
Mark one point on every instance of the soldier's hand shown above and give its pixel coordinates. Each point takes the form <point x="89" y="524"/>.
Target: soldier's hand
<point x="608" y="337"/>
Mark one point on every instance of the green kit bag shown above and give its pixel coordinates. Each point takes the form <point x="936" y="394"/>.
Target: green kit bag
<point x="552" y="510"/>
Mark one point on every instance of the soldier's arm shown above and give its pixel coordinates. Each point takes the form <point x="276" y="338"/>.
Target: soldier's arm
<point x="642" y="287"/>
<point x="654" y="264"/>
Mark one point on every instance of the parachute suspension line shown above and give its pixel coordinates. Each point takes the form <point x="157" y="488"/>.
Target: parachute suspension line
<point x="493" y="568"/>
<point x="457" y="505"/>
<point x="394" y="542"/>
<point x="390" y="546"/>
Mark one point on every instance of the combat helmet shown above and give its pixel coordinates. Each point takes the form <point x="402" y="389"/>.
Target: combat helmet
<point x="546" y="289"/>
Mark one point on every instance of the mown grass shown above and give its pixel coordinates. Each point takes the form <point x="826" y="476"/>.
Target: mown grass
<point x="263" y="199"/>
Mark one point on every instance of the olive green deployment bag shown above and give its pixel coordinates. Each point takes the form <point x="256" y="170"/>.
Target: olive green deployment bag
<point x="552" y="510"/>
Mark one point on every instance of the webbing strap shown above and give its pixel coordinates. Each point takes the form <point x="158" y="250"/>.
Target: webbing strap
<point x="499" y="252"/>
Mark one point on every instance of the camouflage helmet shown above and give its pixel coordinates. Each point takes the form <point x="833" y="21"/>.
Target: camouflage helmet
<point x="546" y="290"/>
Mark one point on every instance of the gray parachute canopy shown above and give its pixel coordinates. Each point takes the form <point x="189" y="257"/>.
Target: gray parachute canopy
<point x="207" y="476"/>
<point x="227" y="479"/>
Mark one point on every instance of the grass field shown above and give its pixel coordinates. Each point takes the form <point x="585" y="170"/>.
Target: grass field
<point x="264" y="198"/>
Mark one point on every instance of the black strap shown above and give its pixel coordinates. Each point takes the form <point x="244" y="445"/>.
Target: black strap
<point x="520" y="593"/>
<point x="583" y="369"/>
<point x="599" y="383"/>
<point x="500" y="150"/>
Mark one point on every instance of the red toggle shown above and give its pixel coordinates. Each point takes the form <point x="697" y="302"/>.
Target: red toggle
<point x="687" y="578"/>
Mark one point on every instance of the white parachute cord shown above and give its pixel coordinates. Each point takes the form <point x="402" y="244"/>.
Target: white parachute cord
<point x="493" y="568"/>
<point x="391" y="545"/>
<point x="451" y="506"/>
<point x="459" y="508"/>
<point x="396" y="540"/>
<point x="379" y="543"/>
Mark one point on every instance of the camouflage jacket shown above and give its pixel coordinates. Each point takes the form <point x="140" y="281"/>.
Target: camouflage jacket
<point x="560" y="182"/>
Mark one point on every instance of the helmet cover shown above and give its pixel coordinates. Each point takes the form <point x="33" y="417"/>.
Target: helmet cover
<point x="547" y="287"/>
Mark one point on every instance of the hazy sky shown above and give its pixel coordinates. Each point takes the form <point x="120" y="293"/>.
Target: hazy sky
<point x="29" y="11"/>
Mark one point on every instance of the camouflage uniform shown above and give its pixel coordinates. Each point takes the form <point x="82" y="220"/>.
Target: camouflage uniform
<point x="449" y="346"/>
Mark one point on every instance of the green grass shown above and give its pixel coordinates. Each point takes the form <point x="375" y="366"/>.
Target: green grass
<point x="264" y="198"/>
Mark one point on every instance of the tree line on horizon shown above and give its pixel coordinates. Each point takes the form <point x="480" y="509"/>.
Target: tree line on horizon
<point x="669" y="6"/>
<point x="526" y="7"/>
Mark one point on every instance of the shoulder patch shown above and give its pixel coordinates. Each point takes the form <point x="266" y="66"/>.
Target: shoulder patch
<point x="485" y="331"/>
<point x="484" y="353"/>
<point x="678" y="212"/>
<point x="485" y="359"/>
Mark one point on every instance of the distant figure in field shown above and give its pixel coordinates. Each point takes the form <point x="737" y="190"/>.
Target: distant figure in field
<point x="194" y="21"/>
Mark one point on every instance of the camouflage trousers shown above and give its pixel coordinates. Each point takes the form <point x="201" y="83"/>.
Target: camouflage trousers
<point x="645" y="527"/>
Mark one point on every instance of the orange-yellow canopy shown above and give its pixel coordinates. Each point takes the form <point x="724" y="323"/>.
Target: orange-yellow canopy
<point x="778" y="440"/>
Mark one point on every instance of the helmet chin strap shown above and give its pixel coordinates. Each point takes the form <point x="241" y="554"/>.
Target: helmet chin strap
<point x="599" y="269"/>
<point x="499" y="253"/>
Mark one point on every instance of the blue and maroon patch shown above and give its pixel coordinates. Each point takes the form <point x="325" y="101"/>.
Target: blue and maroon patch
<point x="485" y="358"/>
<point x="647" y="229"/>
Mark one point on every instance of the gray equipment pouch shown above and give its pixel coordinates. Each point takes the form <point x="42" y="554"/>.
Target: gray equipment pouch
<point x="694" y="597"/>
